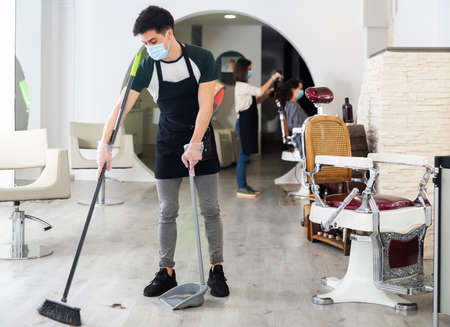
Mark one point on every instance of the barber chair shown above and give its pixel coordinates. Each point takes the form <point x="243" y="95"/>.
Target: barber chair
<point x="86" y="136"/>
<point x="295" y="175"/>
<point x="23" y="150"/>
<point x="386" y="257"/>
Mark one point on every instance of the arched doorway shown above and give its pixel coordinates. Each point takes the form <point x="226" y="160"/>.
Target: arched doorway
<point x="254" y="39"/>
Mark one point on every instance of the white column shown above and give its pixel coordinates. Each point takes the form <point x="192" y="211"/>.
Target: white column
<point x="7" y="79"/>
<point x="419" y="23"/>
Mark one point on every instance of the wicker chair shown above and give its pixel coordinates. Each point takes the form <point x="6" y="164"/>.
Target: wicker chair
<point x="326" y="135"/>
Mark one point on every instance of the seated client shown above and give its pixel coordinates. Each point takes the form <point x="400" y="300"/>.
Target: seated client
<point x="289" y="93"/>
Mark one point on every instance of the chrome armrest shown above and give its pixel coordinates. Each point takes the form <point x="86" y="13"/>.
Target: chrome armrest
<point x="327" y="225"/>
<point x="357" y="163"/>
<point x="410" y="160"/>
<point x="399" y="159"/>
<point x="314" y="187"/>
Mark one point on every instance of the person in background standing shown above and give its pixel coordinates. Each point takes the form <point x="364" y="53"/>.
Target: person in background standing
<point x="246" y="97"/>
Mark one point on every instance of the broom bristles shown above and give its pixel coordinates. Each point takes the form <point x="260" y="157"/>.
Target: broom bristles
<point x="61" y="312"/>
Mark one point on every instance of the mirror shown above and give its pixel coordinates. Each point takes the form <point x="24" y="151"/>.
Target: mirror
<point x="225" y="66"/>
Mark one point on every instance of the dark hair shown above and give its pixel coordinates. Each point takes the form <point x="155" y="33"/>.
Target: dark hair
<point x="241" y="70"/>
<point x="153" y="18"/>
<point x="284" y="92"/>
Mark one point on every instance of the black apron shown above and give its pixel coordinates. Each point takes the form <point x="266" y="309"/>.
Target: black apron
<point x="178" y="103"/>
<point x="248" y="128"/>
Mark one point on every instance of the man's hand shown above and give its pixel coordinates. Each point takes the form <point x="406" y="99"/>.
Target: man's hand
<point x="192" y="155"/>
<point x="104" y="154"/>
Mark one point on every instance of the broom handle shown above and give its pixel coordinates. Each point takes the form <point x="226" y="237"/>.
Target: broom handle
<point x="137" y="59"/>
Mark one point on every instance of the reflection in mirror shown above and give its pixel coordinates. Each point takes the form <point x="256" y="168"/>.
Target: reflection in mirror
<point x="225" y="66"/>
<point x="22" y="101"/>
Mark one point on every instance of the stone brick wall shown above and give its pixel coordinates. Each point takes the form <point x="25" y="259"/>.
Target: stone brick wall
<point x="405" y="107"/>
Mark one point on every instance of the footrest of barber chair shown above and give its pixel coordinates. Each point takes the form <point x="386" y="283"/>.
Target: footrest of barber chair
<point x="408" y="286"/>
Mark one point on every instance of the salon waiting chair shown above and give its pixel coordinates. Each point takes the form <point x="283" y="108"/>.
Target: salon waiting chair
<point x="227" y="142"/>
<point x="386" y="257"/>
<point x="86" y="136"/>
<point x="222" y="135"/>
<point x="23" y="150"/>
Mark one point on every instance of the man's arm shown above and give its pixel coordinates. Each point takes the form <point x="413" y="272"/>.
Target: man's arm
<point x="111" y="121"/>
<point x="205" y="101"/>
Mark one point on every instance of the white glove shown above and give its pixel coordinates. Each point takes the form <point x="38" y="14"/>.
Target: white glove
<point x="192" y="155"/>
<point x="104" y="153"/>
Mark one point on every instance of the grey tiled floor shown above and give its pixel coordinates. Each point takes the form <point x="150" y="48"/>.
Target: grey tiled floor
<point x="272" y="269"/>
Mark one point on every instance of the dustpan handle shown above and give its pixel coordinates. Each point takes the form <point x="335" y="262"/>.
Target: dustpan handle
<point x="196" y="226"/>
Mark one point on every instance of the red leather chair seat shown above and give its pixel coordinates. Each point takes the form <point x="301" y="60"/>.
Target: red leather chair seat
<point x="384" y="202"/>
<point x="319" y="94"/>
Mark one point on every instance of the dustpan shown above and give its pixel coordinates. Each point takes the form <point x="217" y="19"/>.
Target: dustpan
<point x="189" y="294"/>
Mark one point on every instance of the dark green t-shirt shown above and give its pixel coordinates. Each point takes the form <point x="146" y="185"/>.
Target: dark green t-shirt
<point x="202" y="62"/>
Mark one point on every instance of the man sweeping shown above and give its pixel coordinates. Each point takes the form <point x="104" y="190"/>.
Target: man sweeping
<point x="181" y="79"/>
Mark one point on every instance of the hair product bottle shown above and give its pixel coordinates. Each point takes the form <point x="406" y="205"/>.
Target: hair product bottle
<point x="347" y="112"/>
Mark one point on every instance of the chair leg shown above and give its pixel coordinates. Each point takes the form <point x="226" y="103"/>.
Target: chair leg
<point x="358" y="283"/>
<point x="101" y="201"/>
<point x="18" y="249"/>
<point x="303" y="192"/>
<point x="307" y="222"/>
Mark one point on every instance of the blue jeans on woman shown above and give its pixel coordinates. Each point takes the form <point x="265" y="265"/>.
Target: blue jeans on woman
<point x="241" y="169"/>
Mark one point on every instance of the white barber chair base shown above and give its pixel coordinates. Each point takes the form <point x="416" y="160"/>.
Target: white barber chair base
<point x="101" y="201"/>
<point x="358" y="283"/>
<point x="295" y="176"/>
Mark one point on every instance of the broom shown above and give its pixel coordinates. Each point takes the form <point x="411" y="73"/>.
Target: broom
<point x="60" y="311"/>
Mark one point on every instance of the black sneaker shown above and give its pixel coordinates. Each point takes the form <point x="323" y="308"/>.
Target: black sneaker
<point x="161" y="283"/>
<point x="251" y="189"/>
<point x="217" y="282"/>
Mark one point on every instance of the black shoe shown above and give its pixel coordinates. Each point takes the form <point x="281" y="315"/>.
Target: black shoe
<point x="217" y="282"/>
<point x="161" y="283"/>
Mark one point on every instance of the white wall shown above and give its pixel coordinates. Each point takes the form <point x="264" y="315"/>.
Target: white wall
<point x="58" y="70"/>
<point x="377" y="21"/>
<point x="406" y="23"/>
<point x="331" y="43"/>
<point x="7" y="78"/>
<point x="87" y="46"/>
<point x="419" y="23"/>
<point x="28" y="52"/>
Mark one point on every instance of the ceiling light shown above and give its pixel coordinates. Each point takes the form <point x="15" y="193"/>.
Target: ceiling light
<point x="230" y="16"/>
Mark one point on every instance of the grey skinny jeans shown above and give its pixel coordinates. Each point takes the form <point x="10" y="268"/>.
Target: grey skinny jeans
<point x="168" y="190"/>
